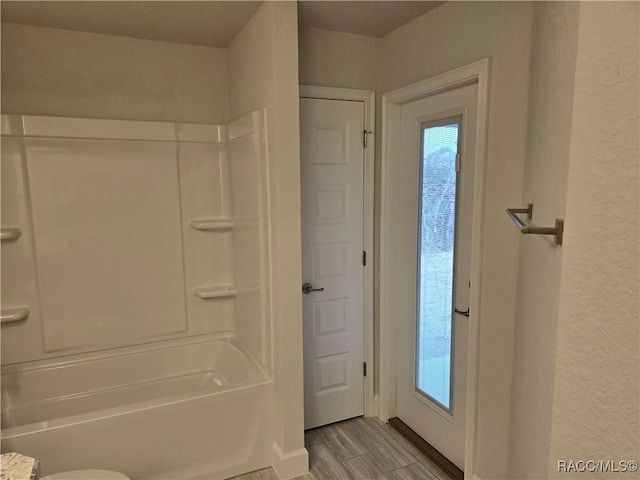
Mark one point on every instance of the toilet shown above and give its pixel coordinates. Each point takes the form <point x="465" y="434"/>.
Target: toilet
<point x="87" y="475"/>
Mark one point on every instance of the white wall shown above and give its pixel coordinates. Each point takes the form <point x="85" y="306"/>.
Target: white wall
<point x="263" y="72"/>
<point x="335" y="59"/>
<point x="48" y="71"/>
<point x="563" y="134"/>
<point x="553" y="60"/>
<point x="452" y="35"/>
<point x="596" y="390"/>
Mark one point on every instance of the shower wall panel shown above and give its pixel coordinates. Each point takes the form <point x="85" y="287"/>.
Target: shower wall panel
<point x="208" y="248"/>
<point x="249" y="182"/>
<point x="106" y="215"/>
<point x="19" y="281"/>
<point x="125" y="234"/>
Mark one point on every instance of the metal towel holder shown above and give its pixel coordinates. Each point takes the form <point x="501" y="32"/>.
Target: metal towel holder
<point x="529" y="229"/>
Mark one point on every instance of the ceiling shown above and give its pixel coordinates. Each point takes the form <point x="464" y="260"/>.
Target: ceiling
<point x="212" y="24"/>
<point x="373" y="18"/>
<point x="207" y="23"/>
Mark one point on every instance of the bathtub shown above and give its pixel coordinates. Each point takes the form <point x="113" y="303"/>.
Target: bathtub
<point x="191" y="409"/>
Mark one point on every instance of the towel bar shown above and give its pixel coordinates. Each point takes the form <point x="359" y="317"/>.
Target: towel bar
<point x="530" y="229"/>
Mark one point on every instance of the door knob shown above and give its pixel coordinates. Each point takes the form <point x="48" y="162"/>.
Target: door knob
<point x="307" y="288"/>
<point x="465" y="312"/>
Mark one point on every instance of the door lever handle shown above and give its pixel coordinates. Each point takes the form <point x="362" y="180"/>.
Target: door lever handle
<point x="465" y="313"/>
<point x="308" y="288"/>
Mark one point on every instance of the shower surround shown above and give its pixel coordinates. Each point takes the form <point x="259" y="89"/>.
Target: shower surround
<point x="135" y="300"/>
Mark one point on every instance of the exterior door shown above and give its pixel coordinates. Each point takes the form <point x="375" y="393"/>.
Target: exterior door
<point x="437" y="163"/>
<point x="332" y="156"/>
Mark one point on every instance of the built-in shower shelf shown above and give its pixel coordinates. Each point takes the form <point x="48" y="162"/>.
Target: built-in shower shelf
<point x="211" y="224"/>
<point x="217" y="291"/>
<point x="11" y="315"/>
<point x="10" y="233"/>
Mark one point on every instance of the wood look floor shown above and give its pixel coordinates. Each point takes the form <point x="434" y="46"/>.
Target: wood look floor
<point x="360" y="449"/>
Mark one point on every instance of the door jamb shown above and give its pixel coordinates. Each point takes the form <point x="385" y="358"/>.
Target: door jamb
<point x="477" y="72"/>
<point x="368" y="97"/>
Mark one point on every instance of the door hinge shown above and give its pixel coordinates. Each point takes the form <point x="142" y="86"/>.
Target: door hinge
<point x="458" y="162"/>
<point x="364" y="258"/>
<point x="364" y="369"/>
<point x="365" y="137"/>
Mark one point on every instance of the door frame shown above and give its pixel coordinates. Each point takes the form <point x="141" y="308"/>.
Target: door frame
<point x="477" y="72"/>
<point x="368" y="97"/>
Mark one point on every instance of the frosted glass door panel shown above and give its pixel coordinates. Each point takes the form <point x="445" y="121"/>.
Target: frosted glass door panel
<point x="108" y="240"/>
<point x="436" y="268"/>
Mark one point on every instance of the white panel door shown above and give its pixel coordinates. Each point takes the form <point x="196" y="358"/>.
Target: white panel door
<point x="332" y="156"/>
<point x="436" y="171"/>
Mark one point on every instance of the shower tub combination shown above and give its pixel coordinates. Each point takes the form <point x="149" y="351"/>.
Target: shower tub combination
<point x="199" y="409"/>
<point x="135" y="320"/>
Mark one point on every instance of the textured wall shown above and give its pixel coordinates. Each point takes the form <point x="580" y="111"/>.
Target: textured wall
<point x="263" y="72"/>
<point x="335" y="59"/>
<point x="452" y="35"/>
<point x="553" y="61"/>
<point x="596" y="393"/>
<point x="48" y="71"/>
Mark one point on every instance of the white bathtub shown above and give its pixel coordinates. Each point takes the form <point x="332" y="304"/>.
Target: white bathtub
<point x="194" y="409"/>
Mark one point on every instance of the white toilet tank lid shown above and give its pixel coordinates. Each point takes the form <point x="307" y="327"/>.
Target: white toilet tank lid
<point x="87" y="475"/>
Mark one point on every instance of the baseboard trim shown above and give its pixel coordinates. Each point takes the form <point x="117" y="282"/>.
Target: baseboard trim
<point x="291" y="464"/>
<point x="443" y="462"/>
